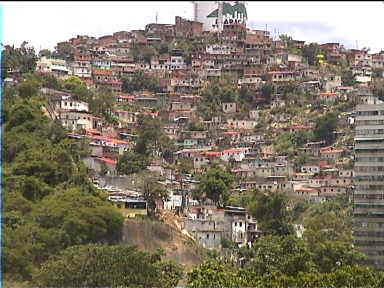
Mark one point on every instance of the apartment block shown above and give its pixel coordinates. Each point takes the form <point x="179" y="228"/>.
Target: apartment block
<point x="368" y="197"/>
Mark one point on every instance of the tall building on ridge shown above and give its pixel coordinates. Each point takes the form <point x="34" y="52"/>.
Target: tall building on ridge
<point x="368" y="197"/>
<point x="216" y="14"/>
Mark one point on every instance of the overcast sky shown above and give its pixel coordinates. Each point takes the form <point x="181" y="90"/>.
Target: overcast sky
<point x="43" y="24"/>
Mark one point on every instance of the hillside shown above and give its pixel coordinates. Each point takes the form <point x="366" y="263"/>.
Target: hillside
<point x="151" y="235"/>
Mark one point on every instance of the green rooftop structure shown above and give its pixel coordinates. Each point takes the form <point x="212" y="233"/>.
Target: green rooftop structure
<point x="229" y="9"/>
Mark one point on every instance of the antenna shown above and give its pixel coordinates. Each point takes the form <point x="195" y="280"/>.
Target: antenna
<point x="357" y="46"/>
<point x="156" y="16"/>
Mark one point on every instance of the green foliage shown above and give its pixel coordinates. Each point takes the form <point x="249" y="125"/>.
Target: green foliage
<point x="49" y="203"/>
<point x="212" y="273"/>
<point x="196" y="126"/>
<point x="245" y="95"/>
<point x="107" y="266"/>
<point x="266" y="92"/>
<point x="140" y="82"/>
<point x="22" y="59"/>
<point x="276" y="254"/>
<point x="28" y="88"/>
<point x="151" y="137"/>
<point x="310" y="52"/>
<point x="131" y="162"/>
<point x="102" y="103"/>
<point x="50" y="81"/>
<point x="325" y="125"/>
<point x="64" y="51"/>
<point x="215" y="185"/>
<point x="152" y="192"/>
<point x="79" y="89"/>
<point x="347" y="78"/>
<point x="284" y="144"/>
<point x="276" y="261"/>
<point x="218" y="92"/>
<point x="45" y="53"/>
<point x="271" y="211"/>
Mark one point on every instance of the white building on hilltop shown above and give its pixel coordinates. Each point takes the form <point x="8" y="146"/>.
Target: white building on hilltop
<point x="215" y="14"/>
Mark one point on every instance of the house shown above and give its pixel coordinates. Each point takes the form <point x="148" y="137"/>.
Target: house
<point x="131" y="207"/>
<point x="76" y="120"/>
<point x="126" y="116"/>
<point x="346" y="173"/>
<point x="50" y="65"/>
<point x="180" y="106"/>
<point x="328" y="97"/>
<point x="310" y="168"/>
<point x="237" y="219"/>
<point x="99" y="164"/>
<point x="238" y="154"/>
<point x="327" y="192"/>
<point x="187" y="28"/>
<point x="206" y="231"/>
<point x="307" y="192"/>
<point x="125" y="98"/>
<point x="173" y="202"/>
<point x="177" y="60"/>
<point x="362" y="74"/>
<point x="282" y="76"/>
<point x="330" y="153"/>
<point x="228" y="107"/>
<point x="241" y="124"/>
<point x="331" y="82"/>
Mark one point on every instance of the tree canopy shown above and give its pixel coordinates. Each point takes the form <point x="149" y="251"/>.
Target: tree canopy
<point x="107" y="266"/>
<point x="324" y="128"/>
<point x="215" y="185"/>
<point x="48" y="202"/>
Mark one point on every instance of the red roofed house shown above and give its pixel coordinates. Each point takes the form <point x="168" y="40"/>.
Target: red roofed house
<point x="331" y="153"/>
<point x="236" y="153"/>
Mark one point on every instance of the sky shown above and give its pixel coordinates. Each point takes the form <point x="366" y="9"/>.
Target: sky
<point x="43" y="24"/>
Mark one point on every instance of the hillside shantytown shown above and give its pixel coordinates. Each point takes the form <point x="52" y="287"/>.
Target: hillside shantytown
<point x="244" y="159"/>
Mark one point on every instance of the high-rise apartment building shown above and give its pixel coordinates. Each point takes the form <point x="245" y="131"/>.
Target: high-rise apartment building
<point x="368" y="197"/>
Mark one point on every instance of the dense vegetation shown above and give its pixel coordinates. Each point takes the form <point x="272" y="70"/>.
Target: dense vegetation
<point x="52" y="213"/>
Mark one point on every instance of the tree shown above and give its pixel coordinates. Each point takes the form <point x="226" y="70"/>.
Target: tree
<point x="131" y="162"/>
<point x="152" y="138"/>
<point x="107" y="266"/>
<point x="139" y="81"/>
<point x="310" y="52"/>
<point x="152" y="192"/>
<point x="78" y="88"/>
<point x="347" y="78"/>
<point x="278" y="254"/>
<point x="28" y="88"/>
<point x="45" y="53"/>
<point x="212" y="273"/>
<point x="325" y="125"/>
<point x="148" y="53"/>
<point x="284" y="144"/>
<point x="215" y="185"/>
<point x="266" y="92"/>
<point x="48" y="200"/>
<point x="22" y="59"/>
<point x="271" y="211"/>
<point x="64" y="50"/>
<point x="102" y="102"/>
<point x="245" y="95"/>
